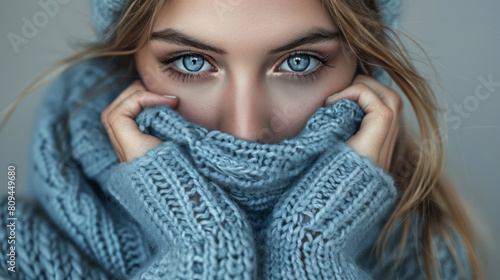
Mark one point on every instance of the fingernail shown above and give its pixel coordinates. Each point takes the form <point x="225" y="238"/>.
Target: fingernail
<point x="170" y="96"/>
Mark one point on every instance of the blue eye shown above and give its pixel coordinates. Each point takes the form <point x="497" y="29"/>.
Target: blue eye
<point x="192" y="63"/>
<point x="192" y="67"/>
<point x="299" y="63"/>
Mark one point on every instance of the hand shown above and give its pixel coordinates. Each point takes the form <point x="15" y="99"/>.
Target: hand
<point x="377" y="135"/>
<point x="119" y="120"/>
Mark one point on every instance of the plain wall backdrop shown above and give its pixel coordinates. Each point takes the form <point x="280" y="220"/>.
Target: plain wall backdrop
<point x="462" y="38"/>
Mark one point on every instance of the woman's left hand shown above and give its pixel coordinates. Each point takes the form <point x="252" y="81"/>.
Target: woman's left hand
<point x="378" y="133"/>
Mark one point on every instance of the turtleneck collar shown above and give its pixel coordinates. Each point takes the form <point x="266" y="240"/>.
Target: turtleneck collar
<point x="254" y="174"/>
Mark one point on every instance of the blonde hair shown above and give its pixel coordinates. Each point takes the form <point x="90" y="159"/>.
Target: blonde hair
<point x="424" y="184"/>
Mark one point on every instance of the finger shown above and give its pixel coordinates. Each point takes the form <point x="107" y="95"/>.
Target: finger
<point x="392" y="99"/>
<point x="387" y="94"/>
<point x="122" y="120"/>
<point x="131" y="89"/>
<point x="111" y="135"/>
<point x="376" y="123"/>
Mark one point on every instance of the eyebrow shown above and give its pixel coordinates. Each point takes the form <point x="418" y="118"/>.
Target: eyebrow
<point x="311" y="36"/>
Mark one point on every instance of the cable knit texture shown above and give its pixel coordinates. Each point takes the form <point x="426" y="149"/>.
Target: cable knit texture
<point x="203" y="204"/>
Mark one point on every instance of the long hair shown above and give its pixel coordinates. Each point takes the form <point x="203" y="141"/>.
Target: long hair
<point x="418" y="168"/>
<point x="426" y="188"/>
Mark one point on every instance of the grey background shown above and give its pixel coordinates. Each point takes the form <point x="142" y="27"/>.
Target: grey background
<point x="461" y="37"/>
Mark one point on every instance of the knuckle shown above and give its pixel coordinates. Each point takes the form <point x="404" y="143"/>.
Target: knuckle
<point x="105" y="117"/>
<point x="137" y="98"/>
<point x="361" y="87"/>
<point x="386" y="114"/>
<point x="140" y="94"/>
<point x="395" y="101"/>
<point x="138" y="84"/>
<point x="112" y="117"/>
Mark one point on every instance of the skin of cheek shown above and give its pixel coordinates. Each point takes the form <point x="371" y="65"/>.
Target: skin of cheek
<point x="295" y="103"/>
<point x="191" y="106"/>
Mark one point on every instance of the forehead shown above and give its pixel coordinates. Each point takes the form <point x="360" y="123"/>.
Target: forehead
<point x="244" y="21"/>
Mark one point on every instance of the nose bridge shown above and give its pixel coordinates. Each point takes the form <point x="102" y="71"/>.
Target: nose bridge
<point x="245" y="102"/>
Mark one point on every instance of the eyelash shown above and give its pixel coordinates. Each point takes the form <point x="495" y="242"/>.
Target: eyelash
<point x="175" y="74"/>
<point x="322" y="57"/>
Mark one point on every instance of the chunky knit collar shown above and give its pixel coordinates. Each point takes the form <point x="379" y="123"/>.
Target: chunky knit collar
<point x="254" y="174"/>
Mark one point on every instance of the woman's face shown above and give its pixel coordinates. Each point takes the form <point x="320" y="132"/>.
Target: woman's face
<point x="255" y="69"/>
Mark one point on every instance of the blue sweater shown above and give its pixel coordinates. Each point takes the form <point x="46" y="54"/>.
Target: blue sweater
<point x="203" y="204"/>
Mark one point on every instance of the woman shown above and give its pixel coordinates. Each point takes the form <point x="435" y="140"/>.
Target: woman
<point x="280" y="157"/>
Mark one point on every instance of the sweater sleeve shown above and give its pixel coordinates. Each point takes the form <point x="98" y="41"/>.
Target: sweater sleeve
<point x="326" y="225"/>
<point x="71" y="200"/>
<point x="33" y="248"/>
<point x="318" y="228"/>
<point x="198" y="232"/>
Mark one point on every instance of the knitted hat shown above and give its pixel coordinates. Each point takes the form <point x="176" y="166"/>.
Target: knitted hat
<point x="390" y="12"/>
<point x="105" y="14"/>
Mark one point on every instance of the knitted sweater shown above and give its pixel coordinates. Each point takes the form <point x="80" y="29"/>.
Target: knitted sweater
<point x="203" y="204"/>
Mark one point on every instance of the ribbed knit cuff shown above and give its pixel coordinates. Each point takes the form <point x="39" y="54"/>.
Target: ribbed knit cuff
<point x="197" y="261"/>
<point x="322" y="219"/>
<point x="356" y="191"/>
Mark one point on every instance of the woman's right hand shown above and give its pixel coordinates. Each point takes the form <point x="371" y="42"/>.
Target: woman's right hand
<point x="119" y="120"/>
